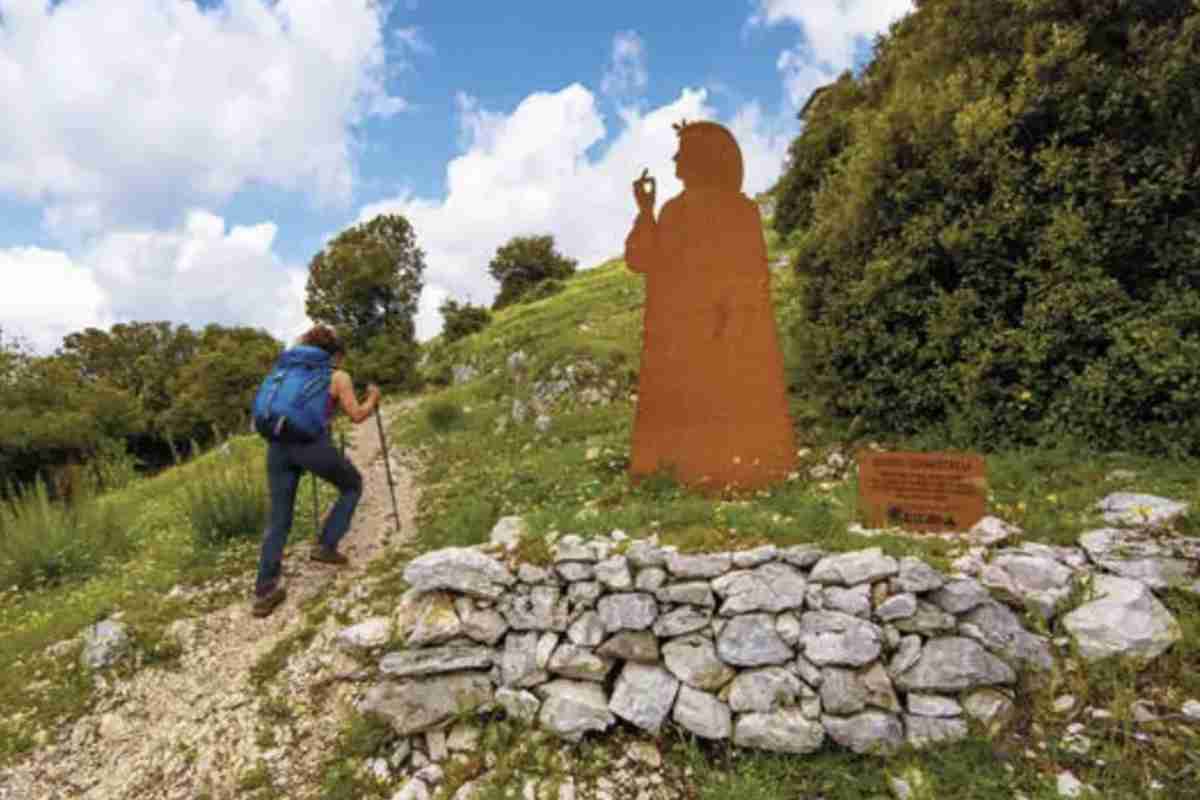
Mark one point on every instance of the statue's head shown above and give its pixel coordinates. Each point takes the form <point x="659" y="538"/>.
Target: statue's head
<point x="708" y="157"/>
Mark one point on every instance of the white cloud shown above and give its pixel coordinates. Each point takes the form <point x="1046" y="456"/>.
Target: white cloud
<point x="831" y="30"/>
<point x="535" y="171"/>
<point x="197" y="274"/>
<point x="46" y="296"/>
<point x="124" y="111"/>
<point x="626" y="73"/>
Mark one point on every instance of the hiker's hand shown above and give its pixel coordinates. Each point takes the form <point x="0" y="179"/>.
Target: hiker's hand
<point x="373" y="392"/>
<point x="644" y="189"/>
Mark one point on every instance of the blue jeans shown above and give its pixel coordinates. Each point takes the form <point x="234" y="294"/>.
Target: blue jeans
<point x="286" y="464"/>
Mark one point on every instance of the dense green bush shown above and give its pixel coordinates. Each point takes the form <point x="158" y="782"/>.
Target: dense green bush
<point x="1006" y="245"/>
<point x="459" y="321"/>
<point x="524" y="263"/>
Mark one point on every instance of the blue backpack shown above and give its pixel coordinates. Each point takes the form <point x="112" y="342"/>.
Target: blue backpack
<point x="292" y="402"/>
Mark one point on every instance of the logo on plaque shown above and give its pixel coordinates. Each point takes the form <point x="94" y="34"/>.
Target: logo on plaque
<point x="921" y="491"/>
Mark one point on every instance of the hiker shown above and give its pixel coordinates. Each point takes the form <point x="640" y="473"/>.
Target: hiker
<point x="289" y="457"/>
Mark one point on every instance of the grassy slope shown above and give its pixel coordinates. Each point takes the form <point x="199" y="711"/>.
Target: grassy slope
<point x="41" y="692"/>
<point x="481" y="466"/>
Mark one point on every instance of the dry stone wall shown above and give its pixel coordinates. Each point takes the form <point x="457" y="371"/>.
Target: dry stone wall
<point x="780" y="649"/>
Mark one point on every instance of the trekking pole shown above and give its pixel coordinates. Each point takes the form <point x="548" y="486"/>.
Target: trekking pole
<point x="316" y="509"/>
<point x="388" y="467"/>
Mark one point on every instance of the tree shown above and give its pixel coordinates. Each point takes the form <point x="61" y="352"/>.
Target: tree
<point x="462" y="320"/>
<point x="368" y="280"/>
<point x="1002" y="245"/>
<point x="215" y="388"/>
<point x="524" y="263"/>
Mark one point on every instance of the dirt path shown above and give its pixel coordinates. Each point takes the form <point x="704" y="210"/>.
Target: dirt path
<point x="197" y="730"/>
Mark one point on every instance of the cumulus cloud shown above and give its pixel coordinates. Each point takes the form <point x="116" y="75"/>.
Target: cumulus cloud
<point x="196" y="274"/>
<point x="831" y="30"/>
<point x="46" y="296"/>
<point x="626" y="73"/>
<point x="540" y="169"/>
<point x="120" y="113"/>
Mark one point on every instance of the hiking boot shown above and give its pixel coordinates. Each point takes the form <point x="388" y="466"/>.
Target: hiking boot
<point x="265" y="603"/>
<point x="325" y="555"/>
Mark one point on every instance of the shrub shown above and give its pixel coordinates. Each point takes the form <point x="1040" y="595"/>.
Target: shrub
<point x="1005" y="247"/>
<point x="46" y="543"/>
<point x="459" y="321"/>
<point x="444" y="416"/>
<point x="226" y="501"/>
<point x="523" y="263"/>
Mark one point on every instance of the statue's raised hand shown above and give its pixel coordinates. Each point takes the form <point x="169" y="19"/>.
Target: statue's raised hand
<point x="644" y="189"/>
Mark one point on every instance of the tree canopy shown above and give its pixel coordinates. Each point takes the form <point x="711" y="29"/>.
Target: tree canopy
<point x="366" y="283"/>
<point x="462" y="320"/>
<point x="998" y="223"/>
<point x="524" y="263"/>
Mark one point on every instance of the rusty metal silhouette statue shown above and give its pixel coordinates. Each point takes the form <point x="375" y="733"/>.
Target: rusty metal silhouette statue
<point x="712" y="406"/>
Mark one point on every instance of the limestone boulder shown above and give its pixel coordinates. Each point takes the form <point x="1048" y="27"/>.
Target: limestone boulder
<point x="784" y="731"/>
<point x="104" y="644"/>
<point x="644" y="695"/>
<point x="850" y="569"/>
<point x="702" y="713"/>
<point x="459" y="569"/>
<point x="693" y="660"/>
<point x="434" y="660"/>
<point x="1139" y="510"/>
<point x="1125" y="619"/>
<point x="627" y="611"/>
<point x="872" y="732"/>
<point x="418" y="705"/>
<point x="952" y="664"/>
<point x="770" y="587"/>
<point x="572" y="708"/>
<point x="750" y="640"/>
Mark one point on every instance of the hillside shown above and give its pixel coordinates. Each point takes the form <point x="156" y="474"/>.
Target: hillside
<point x="535" y="423"/>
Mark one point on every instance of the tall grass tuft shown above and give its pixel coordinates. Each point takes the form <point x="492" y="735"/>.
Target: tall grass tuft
<point x="226" y="500"/>
<point x="444" y="416"/>
<point x="45" y="543"/>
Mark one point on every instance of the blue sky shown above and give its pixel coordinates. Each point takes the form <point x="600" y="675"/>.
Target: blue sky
<point x="168" y="159"/>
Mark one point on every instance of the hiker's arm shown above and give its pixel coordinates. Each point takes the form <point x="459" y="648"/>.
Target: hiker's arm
<point x="343" y="390"/>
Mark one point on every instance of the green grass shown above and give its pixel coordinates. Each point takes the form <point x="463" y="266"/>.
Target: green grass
<point x="226" y="500"/>
<point x="45" y="543"/>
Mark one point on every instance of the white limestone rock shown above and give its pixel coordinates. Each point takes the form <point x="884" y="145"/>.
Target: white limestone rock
<point x="784" y="731"/>
<point x="771" y="587"/>
<point x="1140" y="510"/>
<point x="460" y="569"/>
<point x="764" y="689"/>
<point x="750" y="640"/>
<point x="850" y="569"/>
<point x="702" y="714"/>
<point x="627" y="611"/>
<point x="572" y="708"/>
<point x="954" y="663"/>
<point x="700" y="565"/>
<point x="366" y="635"/>
<point x="435" y="660"/>
<point x="693" y="660"/>
<point x="1125" y="619"/>
<point x="832" y="638"/>
<point x="873" y="732"/>
<point x="104" y="643"/>
<point x="416" y="706"/>
<point x="644" y="695"/>
<point x="507" y="532"/>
